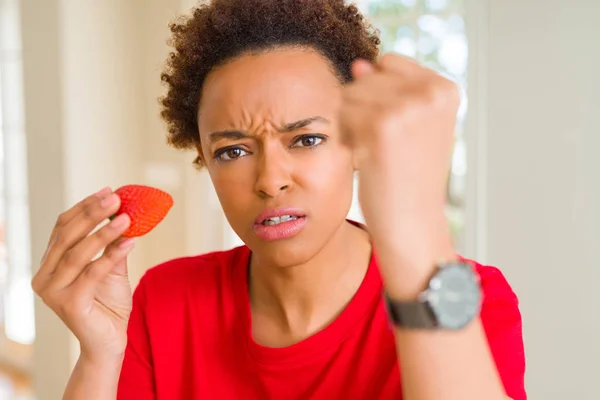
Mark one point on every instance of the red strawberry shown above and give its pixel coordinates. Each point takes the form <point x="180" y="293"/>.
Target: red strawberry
<point x="145" y="205"/>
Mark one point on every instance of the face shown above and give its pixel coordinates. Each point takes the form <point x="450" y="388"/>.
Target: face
<point x="269" y="138"/>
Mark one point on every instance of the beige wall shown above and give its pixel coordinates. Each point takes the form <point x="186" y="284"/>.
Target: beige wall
<point x="91" y="83"/>
<point x="44" y="124"/>
<point x="543" y="183"/>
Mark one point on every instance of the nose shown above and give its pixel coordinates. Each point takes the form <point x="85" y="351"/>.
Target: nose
<point x="273" y="173"/>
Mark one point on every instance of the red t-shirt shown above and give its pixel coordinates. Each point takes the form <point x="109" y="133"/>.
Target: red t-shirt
<point x="190" y="338"/>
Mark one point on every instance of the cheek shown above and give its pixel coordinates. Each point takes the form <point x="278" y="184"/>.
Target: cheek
<point x="234" y="187"/>
<point x="330" y="177"/>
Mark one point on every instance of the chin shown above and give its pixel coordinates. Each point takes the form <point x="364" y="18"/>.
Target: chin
<point x="286" y="253"/>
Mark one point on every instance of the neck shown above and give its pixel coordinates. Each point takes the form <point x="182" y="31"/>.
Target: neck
<point x="292" y="303"/>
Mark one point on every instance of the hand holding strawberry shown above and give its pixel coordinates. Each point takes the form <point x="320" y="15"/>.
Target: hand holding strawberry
<point x="93" y="296"/>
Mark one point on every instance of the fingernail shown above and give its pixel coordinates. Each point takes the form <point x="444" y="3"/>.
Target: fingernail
<point x="109" y="201"/>
<point x="126" y="244"/>
<point x="119" y="221"/>
<point x="103" y="192"/>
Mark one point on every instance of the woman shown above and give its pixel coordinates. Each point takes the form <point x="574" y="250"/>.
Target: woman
<point x="284" y="100"/>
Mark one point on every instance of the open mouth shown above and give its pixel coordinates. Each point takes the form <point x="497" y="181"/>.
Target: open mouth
<point x="280" y="220"/>
<point x="281" y="223"/>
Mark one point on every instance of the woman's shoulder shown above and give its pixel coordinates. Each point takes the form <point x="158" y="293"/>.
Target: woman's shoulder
<point x="493" y="282"/>
<point x="500" y="313"/>
<point x="204" y="270"/>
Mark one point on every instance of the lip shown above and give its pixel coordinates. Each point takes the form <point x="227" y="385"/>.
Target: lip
<point x="278" y="212"/>
<point x="280" y="231"/>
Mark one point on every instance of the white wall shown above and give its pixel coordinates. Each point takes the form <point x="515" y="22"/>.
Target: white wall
<point x="542" y="181"/>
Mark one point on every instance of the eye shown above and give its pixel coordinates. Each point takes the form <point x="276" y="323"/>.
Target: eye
<point x="308" y="141"/>
<point x="230" y="154"/>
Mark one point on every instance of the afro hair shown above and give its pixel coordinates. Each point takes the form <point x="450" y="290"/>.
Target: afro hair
<point x="220" y="30"/>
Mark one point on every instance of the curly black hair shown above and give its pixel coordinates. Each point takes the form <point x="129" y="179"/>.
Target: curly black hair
<point x="221" y="30"/>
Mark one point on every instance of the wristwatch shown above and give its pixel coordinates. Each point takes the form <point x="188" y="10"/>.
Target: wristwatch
<point x="451" y="300"/>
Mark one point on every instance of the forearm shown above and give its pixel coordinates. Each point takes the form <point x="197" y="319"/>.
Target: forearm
<point x="437" y="364"/>
<point x="94" y="379"/>
<point x="447" y="365"/>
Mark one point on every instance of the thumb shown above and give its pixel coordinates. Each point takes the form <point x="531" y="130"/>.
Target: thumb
<point x="362" y="67"/>
<point x="120" y="266"/>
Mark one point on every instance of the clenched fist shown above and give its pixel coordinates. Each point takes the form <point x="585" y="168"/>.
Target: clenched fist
<point x="399" y="118"/>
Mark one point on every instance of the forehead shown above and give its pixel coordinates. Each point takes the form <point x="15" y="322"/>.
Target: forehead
<point x="279" y="86"/>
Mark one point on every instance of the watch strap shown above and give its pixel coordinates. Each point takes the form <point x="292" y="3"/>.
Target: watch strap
<point x="415" y="315"/>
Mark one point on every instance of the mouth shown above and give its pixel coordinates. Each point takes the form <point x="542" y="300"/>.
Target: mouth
<point x="279" y="216"/>
<point x="279" y="224"/>
<point x="272" y="221"/>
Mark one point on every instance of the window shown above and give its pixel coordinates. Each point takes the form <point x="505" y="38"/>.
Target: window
<point x="16" y="296"/>
<point x="433" y="32"/>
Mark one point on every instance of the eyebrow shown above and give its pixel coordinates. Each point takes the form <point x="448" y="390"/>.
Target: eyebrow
<point x="289" y="127"/>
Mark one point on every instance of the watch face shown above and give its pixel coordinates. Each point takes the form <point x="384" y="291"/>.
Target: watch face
<point x="454" y="296"/>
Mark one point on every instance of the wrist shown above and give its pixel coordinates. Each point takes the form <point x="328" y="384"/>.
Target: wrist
<point x="101" y="360"/>
<point x="408" y="258"/>
<point x="94" y="377"/>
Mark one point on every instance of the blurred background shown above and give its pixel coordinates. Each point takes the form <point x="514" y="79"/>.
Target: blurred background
<point x="79" y="81"/>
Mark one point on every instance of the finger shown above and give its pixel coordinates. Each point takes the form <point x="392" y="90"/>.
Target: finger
<point x="115" y="257"/>
<point x="377" y="88"/>
<point x="50" y="258"/>
<point x="399" y="64"/>
<point x="120" y="268"/>
<point x="80" y="226"/>
<point x="352" y="123"/>
<point x="361" y="68"/>
<point x="68" y="215"/>
<point x="347" y="130"/>
<point x="360" y="122"/>
<point x="76" y="259"/>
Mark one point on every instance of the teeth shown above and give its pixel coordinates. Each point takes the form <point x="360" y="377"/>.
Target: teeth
<point x="279" y="220"/>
